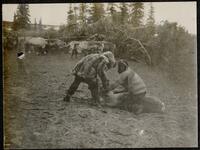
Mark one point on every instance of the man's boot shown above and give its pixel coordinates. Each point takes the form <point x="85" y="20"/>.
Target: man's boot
<point x="139" y="109"/>
<point x="67" y="98"/>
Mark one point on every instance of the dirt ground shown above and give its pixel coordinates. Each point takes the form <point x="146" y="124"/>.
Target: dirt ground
<point x="36" y="117"/>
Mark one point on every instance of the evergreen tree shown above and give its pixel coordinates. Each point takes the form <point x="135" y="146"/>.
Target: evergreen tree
<point x="71" y="20"/>
<point x="137" y="13"/>
<point x="70" y="15"/>
<point x="40" y="24"/>
<point x="75" y="14"/>
<point x="22" y="20"/>
<point x="124" y="13"/>
<point x="112" y="11"/>
<point x="151" y="21"/>
<point x="35" y="25"/>
<point x="14" y="27"/>
<point x="97" y="11"/>
<point x="82" y="12"/>
<point x="89" y="14"/>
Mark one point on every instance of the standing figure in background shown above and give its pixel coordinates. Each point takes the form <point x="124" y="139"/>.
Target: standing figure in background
<point x="15" y="39"/>
<point x="74" y="50"/>
<point x="20" y="59"/>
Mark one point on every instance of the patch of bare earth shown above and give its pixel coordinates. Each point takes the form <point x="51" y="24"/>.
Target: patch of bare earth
<point x="38" y="118"/>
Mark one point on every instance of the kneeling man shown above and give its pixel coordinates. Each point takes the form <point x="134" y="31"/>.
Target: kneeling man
<point x="133" y="95"/>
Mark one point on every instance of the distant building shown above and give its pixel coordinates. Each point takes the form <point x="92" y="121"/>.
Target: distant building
<point x="8" y="25"/>
<point x="46" y="27"/>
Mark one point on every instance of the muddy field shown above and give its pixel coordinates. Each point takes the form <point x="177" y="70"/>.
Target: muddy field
<point x="36" y="117"/>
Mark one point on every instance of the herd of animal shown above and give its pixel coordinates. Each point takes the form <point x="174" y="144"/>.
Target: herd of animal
<point x="40" y="45"/>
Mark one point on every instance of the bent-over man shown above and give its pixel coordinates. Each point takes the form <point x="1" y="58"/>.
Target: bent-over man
<point x="88" y="69"/>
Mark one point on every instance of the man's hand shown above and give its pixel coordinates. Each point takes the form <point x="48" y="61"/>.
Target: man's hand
<point x="119" y="91"/>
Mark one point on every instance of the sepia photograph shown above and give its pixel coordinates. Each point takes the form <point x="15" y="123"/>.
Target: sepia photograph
<point x="100" y="75"/>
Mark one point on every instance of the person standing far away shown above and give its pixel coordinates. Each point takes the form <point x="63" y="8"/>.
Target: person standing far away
<point x="20" y="60"/>
<point x="75" y="51"/>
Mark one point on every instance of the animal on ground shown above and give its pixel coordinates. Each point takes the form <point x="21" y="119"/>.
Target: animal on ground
<point x="149" y="104"/>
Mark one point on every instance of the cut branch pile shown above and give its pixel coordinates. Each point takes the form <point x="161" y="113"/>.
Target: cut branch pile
<point x="142" y="48"/>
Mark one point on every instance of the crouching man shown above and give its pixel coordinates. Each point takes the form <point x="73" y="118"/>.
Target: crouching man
<point x="87" y="70"/>
<point x="132" y="95"/>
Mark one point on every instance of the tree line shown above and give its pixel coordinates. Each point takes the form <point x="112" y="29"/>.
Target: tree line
<point x="87" y="13"/>
<point x="119" y="14"/>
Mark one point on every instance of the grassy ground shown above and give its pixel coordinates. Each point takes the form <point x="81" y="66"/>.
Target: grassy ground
<point x="36" y="117"/>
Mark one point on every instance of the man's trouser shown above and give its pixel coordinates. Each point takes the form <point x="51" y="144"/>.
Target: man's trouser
<point x="74" y="52"/>
<point x="92" y="86"/>
<point x="21" y="67"/>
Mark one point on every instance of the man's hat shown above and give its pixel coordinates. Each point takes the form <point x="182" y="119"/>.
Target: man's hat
<point x="110" y="57"/>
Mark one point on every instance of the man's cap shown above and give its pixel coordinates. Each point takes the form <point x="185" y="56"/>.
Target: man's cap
<point x="110" y="57"/>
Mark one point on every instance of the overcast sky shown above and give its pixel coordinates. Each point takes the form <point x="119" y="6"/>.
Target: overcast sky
<point x="55" y="14"/>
